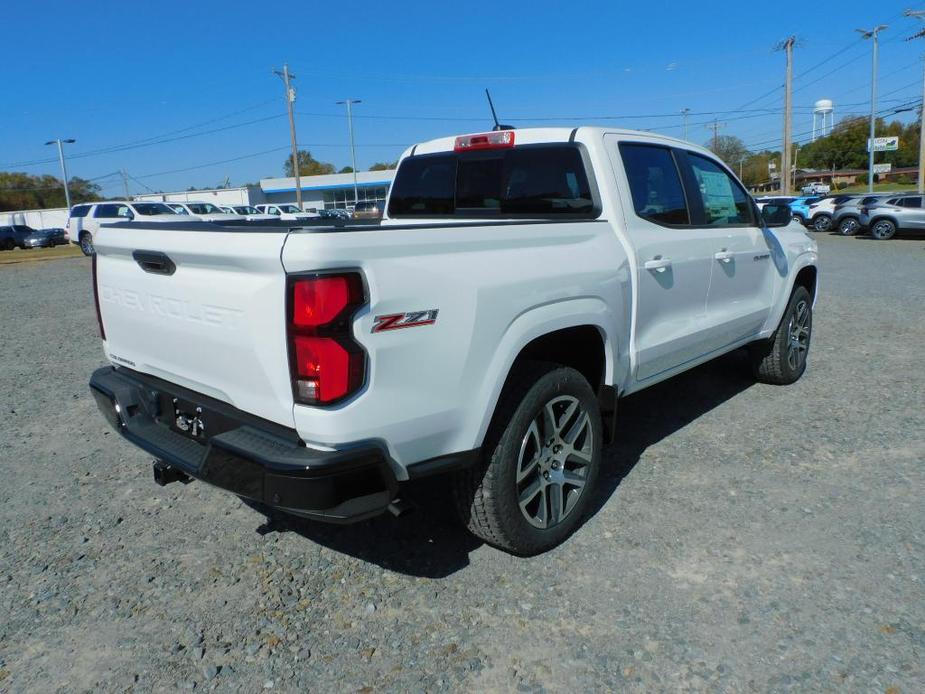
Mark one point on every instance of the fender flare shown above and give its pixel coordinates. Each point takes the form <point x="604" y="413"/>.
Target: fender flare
<point x="539" y="321"/>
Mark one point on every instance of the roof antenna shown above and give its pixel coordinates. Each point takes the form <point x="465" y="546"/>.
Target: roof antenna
<point x="498" y="126"/>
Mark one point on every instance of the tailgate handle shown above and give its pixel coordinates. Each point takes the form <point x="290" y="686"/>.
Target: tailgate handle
<point x="154" y="262"/>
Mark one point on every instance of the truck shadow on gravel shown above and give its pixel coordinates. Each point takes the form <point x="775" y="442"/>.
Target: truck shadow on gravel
<point x="429" y="542"/>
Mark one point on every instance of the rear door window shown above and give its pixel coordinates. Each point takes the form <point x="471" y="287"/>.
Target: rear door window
<point x="106" y="211"/>
<point x="529" y="181"/>
<point x="80" y="211"/>
<point x="655" y="183"/>
<point x="725" y="202"/>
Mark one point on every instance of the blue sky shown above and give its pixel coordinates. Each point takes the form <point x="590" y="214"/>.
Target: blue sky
<point x="151" y="79"/>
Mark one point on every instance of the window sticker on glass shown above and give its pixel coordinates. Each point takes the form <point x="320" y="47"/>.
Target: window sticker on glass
<point x="718" y="199"/>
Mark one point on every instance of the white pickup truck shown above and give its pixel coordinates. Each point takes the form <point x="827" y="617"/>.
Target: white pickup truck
<point x="520" y="283"/>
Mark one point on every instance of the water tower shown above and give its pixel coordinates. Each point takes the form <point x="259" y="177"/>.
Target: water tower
<point x="824" y="108"/>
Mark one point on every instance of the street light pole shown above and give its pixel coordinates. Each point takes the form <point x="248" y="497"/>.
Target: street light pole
<point x="353" y="152"/>
<point x="287" y="77"/>
<point x="921" y="182"/>
<point x="684" y="112"/>
<point x="875" y="35"/>
<point x="60" y="143"/>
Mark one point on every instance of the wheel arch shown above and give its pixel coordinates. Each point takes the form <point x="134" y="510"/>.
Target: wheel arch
<point x="584" y="335"/>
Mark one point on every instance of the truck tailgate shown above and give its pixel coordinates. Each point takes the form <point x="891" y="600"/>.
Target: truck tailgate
<point x="215" y="324"/>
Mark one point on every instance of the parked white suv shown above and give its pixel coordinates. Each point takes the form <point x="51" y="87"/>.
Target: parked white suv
<point x="205" y="211"/>
<point x="287" y="212"/>
<point x="85" y="219"/>
<point x="521" y="283"/>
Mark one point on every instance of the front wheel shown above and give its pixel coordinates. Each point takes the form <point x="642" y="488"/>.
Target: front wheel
<point x="848" y="226"/>
<point x="541" y="461"/>
<point x="883" y="229"/>
<point x="86" y="243"/>
<point x="822" y="222"/>
<point x="781" y="360"/>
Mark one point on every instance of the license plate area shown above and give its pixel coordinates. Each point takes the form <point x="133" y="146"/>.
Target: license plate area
<point x="187" y="418"/>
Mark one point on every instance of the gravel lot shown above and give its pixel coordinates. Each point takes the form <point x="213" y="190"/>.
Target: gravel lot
<point x="748" y="538"/>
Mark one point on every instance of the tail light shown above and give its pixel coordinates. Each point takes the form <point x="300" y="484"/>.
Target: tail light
<point x="326" y="363"/>
<point x="96" y="296"/>
<point x="498" y="139"/>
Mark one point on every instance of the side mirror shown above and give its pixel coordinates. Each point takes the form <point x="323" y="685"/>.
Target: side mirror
<point x="776" y="214"/>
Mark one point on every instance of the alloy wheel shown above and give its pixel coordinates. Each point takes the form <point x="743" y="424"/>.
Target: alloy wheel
<point x="848" y="227"/>
<point x="798" y="330"/>
<point x="822" y="223"/>
<point x="553" y="462"/>
<point x="883" y="229"/>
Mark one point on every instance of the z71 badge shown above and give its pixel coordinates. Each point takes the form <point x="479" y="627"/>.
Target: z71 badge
<point x="411" y="319"/>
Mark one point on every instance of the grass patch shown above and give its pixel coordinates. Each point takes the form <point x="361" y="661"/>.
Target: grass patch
<point x="37" y="255"/>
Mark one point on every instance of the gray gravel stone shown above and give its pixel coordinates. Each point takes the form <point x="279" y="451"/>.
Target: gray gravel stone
<point x="746" y="538"/>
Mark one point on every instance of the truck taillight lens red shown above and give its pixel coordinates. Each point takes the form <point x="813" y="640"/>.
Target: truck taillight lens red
<point x="96" y="296"/>
<point x="326" y="363"/>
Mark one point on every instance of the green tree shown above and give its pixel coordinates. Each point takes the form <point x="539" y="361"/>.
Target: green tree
<point x="383" y="166"/>
<point x="346" y="169"/>
<point x="846" y="146"/>
<point x="730" y="149"/>
<point x="308" y="165"/>
<point x="22" y="191"/>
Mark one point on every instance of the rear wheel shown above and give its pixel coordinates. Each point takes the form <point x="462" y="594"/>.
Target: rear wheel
<point x="541" y="461"/>
<point x="86" y="243"/>
<point x="822" y="222"/>
<point x="781" y="360"/>
<point x="848" y="226"/>
<point x="8" y="244"/>
<point x="883" y="229"/>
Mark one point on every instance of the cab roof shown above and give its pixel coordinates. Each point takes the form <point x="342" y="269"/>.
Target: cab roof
<point x="529" y="136"/>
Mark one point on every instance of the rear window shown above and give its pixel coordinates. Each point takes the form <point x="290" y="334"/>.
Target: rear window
<point x="527" y="181"/>
<point x="80" y="211"/>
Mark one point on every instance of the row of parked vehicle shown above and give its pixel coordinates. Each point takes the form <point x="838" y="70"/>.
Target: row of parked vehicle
<point x="85" y="219"/>
<point x="23" y="236"/>
<point x="882" y="215"/>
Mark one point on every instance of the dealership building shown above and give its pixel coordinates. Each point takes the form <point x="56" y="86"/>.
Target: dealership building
<point x="334" y="191"/>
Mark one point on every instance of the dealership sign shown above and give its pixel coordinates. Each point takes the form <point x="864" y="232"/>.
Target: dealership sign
<point x="882" y="168"/>
<point x="884" y="144"/>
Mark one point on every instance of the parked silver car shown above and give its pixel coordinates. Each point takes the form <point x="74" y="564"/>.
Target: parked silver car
<point x="846" y="215"/>
<point x="884" y="218"/>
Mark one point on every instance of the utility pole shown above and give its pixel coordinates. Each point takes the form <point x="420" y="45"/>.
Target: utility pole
<point x="353" y="152"/>
<point x="60" y="143"/>
<point x="287" y="77"/>
<point x="786" y="182"/>
<point x="921" y="34"/>
<point x="714" y="126"/>
<point x="875" y="35"/>
<point x="684" y="112"/>
<point x="124" y="174"/>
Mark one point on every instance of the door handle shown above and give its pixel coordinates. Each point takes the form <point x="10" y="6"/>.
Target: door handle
<point x="659" y="264"/>
<point x="724" y="256"/>
<point x="155" y="262"/>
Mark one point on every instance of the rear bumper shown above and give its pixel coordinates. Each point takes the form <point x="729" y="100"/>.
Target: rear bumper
<point x="242" y="454"/>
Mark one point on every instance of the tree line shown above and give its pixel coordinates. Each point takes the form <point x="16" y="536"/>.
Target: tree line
<point x="22" y="191"/>
<point x="309" y="166"/>
<point x="844" y="148"/>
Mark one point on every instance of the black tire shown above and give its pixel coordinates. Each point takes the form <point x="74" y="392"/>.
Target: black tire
<point x="8" y="244"/>
<point x="822" y="222"/>
<point x="773" y="360"/>
<point x="849" y="226"/>
<point x="490" y="500"/>
<point x="883" y="229"/>
<point x="799" y="218"/>
<point x="86" y="243"/>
